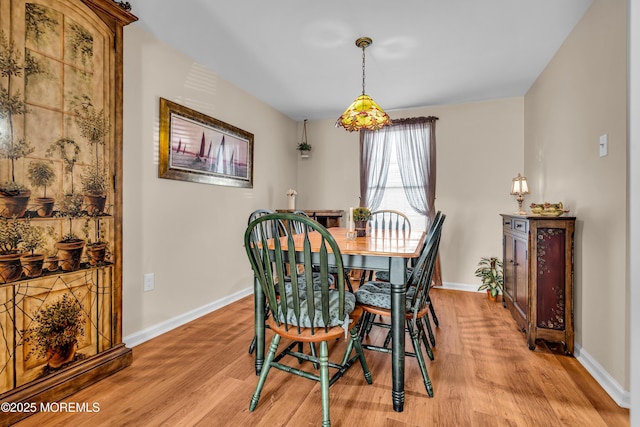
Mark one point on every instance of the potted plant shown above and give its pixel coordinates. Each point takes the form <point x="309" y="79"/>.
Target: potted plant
<point x="14" y="197"/>
<point x="361" y="217"/>
<point x="70" y="247"/>
<point x="32" y="239"/>
<point x="97" y="249"/>
<point x="490" y="272"/>
<point x="94" y="186"/>
<point x="304" y="148"/>
<point x="69" y="152"/>
<point x="94" y="126"/>
<point x="41" y="174"/>
<point x="55" y="335"/>
<point x="12" y="231"/>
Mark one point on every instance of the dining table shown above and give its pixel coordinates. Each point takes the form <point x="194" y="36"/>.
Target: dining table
<point x="387" y="250"/>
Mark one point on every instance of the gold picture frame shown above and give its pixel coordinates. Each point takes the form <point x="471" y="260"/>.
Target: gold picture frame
<point x="197" y="148"/>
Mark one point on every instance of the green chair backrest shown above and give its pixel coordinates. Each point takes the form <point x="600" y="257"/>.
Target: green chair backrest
<point x="272" y="260"/>
<point x="422" y="274"/>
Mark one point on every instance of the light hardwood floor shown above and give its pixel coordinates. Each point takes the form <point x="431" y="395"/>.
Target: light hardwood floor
<point x="483" y="375"/>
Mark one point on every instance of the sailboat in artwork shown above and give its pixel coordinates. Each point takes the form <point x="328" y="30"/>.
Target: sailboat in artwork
<point x="179" y="145"/>
<point x="220" y="166"/>
<point x="200" y="155"/>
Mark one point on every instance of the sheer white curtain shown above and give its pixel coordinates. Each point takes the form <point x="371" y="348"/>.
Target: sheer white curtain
<point x="415" y="150"/>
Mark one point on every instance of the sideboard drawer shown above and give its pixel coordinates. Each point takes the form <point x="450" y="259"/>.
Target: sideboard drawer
<point x="520" y="225"/>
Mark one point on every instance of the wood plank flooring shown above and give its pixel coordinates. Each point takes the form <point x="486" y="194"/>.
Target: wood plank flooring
<point x="483" y="375"/>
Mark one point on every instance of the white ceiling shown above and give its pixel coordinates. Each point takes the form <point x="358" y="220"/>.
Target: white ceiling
<point x="300" y="57"/>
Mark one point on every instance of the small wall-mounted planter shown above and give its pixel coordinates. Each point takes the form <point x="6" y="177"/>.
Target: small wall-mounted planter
<point x="304" y="154"/>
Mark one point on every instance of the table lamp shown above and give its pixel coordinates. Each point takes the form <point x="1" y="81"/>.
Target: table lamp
<point x="519" y="187"/>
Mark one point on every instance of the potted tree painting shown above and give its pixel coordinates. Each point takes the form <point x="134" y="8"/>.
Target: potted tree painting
<point x="94" y="127"/>
<point x="70" y="247"/>
<point x="97" y="248"/>
<point x="41" y="175"/>
<point x="58" y="326"/>
<point x="32" y="239"/>
<point x="12" y="231"/>
<point x="14" y="197"/>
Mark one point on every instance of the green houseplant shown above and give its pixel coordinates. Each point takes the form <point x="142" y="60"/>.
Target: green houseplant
<point x="56" y="332"/>
<point x="490" y="272"/>
<point x="304" y="146"/>
<point x="361" y="216"/>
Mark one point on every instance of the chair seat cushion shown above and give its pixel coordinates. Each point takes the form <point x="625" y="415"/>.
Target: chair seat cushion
<point x="378" y="294"/>
<point x="302" y="281"/>
<point x="334" y="314"/>
<point x="383" y="275"/>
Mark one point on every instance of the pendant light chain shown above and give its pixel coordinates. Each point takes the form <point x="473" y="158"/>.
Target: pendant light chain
<point x="363" y="68"/>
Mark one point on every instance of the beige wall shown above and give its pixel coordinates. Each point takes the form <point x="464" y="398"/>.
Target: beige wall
<point x="579" y="96"/>
<point x="479" y="151"/>
<point x="174" y="229"/>
<point x="188" y="234"/>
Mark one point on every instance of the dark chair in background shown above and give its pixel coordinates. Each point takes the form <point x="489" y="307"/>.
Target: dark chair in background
<point x="383" y="276"/>
<point x="385" y="220"/>
<point x="375" y="299"/>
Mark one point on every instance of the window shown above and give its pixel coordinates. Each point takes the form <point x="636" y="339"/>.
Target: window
<point x="397" y="168"/>
<point x="395" y="197"/>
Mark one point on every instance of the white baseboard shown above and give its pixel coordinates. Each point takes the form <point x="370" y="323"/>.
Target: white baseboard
<point x="159" y="329"/>
<point x="459" y="287"/>
<point x="621" y="396"/>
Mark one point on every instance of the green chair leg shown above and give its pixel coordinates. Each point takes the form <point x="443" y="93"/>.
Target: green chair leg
<point x="363" y="362"/>
<point x="418" y="352"/>
<point x="324" y="382"/>
<point x="263" y="373"/>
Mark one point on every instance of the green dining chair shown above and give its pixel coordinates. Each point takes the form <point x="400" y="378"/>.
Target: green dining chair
<point x="375" y="300"/>
<point x="383" y="276"/>
<point x="385" y="220"/>
<point x="300" y="313"/>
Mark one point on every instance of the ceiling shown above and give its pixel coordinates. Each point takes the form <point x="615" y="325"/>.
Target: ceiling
<point x="300" y="57"/>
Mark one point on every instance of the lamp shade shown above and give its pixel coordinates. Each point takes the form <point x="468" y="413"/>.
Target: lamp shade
<point x="363" y="113"/>
<point x="519" y="185"/>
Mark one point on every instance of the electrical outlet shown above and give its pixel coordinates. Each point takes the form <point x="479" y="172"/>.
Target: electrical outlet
<point x="149" y="282"/>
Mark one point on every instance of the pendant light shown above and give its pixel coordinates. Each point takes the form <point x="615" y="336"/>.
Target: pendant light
<point x="363" y="113"/>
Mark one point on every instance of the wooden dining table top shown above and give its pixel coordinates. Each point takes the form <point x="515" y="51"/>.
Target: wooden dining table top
<point x="388" y="243"/>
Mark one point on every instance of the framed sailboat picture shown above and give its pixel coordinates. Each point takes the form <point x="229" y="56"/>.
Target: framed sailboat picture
<point x="198" y="148"/>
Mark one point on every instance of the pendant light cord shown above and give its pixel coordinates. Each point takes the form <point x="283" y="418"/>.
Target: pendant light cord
<point x="363" y="48"/>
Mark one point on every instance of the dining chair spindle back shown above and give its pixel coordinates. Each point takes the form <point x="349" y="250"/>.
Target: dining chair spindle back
<point x="299" y="313"/>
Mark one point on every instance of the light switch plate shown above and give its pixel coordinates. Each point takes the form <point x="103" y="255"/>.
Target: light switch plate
<point x="604" y="145"/>
<point x="149" y="282"/>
